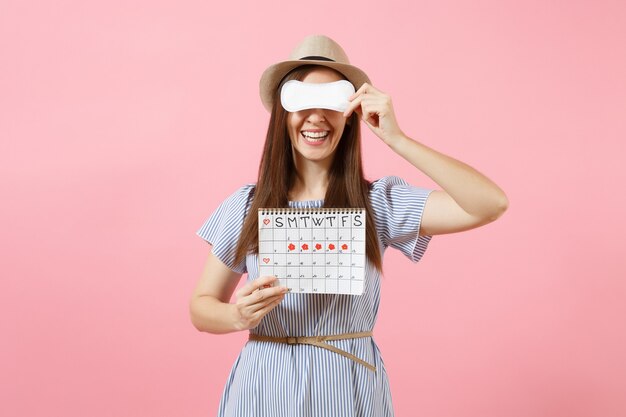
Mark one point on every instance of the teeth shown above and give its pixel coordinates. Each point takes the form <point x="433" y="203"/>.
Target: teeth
<point x="315" y="135"/>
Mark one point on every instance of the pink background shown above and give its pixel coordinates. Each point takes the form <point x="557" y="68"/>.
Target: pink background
<point x="124" y="124"/>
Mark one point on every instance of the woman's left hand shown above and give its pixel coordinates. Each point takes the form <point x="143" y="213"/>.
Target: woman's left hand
<point x="375" y="108"/>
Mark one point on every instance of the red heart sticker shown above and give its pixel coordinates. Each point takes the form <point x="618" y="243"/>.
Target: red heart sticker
<point x="305" y="247"/>
<point x="318" y="246"/>
<point x="266" y="260"/>
<point x="266" y="221"/>
<point x="331" y="246"/>
<point x="344" y="246"/>
<point x="291" y="246"/>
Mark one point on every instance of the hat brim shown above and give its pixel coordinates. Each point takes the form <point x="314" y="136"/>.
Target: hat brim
<point x="272" y="76"/>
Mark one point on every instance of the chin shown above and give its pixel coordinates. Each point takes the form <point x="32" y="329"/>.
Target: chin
<point x="312" y="156"/>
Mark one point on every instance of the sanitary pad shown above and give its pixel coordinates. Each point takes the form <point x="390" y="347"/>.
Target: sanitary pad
<point x="297" y="95"/>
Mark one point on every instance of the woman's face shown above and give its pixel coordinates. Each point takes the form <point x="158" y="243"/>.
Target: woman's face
<point x="315" y="122"/>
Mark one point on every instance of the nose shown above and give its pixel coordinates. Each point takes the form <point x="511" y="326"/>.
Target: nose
<point x="316" y="114"/>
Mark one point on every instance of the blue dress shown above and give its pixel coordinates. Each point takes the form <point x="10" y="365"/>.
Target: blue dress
<point x="271" y="379"/>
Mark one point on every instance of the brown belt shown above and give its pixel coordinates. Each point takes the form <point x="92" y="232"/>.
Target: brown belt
<point x="319" y="341"/>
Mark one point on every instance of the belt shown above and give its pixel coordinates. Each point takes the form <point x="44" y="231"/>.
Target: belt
<point x="319" y="341"/>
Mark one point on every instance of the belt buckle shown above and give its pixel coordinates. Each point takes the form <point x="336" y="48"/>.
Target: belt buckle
<point x="292" y="340"/>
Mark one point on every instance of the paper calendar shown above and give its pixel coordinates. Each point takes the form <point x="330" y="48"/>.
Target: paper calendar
<point x="314" y="250"/>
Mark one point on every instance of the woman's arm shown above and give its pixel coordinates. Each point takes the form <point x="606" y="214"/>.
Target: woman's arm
<point x="210" y="308"/>
<point x="468" y="199"/>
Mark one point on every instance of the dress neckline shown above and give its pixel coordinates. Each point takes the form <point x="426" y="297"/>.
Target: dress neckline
<point x="306" y="203"/>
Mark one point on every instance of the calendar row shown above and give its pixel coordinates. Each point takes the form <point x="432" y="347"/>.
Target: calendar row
<point x="317" y="260"/>
<point x="312" y="272"/>
<point x="312" y="234"/>
<point x="313" y="219"/>
<point x="312" y="247"/>
<point x="322" y="286"/>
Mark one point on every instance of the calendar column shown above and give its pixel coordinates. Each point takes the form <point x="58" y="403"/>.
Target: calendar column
<point x="318" y="254"/>
<point x="280" y="251"/>
<point x="330" y="259"/>
<point x="292" y="249"/>
<point x="306" y="259"/>
<point x="343" y="251"/>
<point x="357" y="252"/>
<point x="266" y="244"/>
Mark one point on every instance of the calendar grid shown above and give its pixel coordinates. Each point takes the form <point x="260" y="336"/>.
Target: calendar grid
<point x="314" y="250"/>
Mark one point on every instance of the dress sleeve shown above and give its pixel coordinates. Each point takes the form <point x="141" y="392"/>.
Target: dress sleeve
<point x="398" y="209"/>
<point x="223" y="227"/>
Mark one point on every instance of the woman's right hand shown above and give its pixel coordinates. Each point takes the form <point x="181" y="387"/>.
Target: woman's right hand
<point x="255" y="299"/>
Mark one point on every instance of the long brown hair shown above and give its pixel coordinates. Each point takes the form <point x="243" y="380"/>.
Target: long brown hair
<point x="347" y="187"/>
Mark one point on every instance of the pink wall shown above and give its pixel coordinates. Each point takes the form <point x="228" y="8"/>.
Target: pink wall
<point x="124" y="124"/>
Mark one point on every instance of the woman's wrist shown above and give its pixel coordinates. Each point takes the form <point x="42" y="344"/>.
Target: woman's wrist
<point x="397" y="142"/>
<point x="237" y="325"/>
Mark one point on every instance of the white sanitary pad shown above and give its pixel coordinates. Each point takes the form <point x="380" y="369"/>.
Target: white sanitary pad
<point x="297" y="95"/>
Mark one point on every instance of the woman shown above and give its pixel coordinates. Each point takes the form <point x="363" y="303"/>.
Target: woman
<point x="289" y="366"/>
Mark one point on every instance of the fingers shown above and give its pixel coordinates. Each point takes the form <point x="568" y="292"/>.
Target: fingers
<point x="362" y="90"/>
<point x="365" y="91"/>
<point x="263" y="311"/>
<point x="355" y="100"/>
<point x="270" y="302"/>
<point x="260" y="290"/>
<point x="365" y="106"/>
<point x="252" y="318"/>
<point x="354" y="104"/>
<point x="258" y="284"/>
<point x="256" y="299"/>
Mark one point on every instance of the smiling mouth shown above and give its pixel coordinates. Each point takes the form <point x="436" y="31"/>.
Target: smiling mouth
<point x="314" y="137"/>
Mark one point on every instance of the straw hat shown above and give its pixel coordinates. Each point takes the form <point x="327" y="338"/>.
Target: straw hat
<point x="314" y="49"/>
